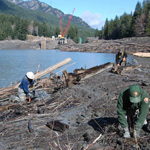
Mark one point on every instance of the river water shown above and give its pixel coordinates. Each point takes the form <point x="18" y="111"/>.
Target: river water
<point x="15" y="63"/>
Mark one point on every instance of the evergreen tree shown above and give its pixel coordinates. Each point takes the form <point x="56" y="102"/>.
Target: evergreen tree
<point x="105" y="30"/>
<point x="73" y="34"/>
<point x="116" y="31"/>
<point x="146" y="6"/>
<point x="126" y="21"/>
<point x="136" y="15"/>
<point x="57" y="31"/>
<point x="148" y="25"/>
<point x="111" y="29"/>
<point x="140" y="26"/>
<point x="96" y="34"/>
<point x="138" y="10"/>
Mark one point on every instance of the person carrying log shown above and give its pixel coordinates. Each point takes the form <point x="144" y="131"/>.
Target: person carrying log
<point x="121" y="58"/>
<point x="23" y="89"/>
<point x="132" y="109"/>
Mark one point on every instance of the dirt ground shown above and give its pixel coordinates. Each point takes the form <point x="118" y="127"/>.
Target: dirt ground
<point x="87" y="111"/>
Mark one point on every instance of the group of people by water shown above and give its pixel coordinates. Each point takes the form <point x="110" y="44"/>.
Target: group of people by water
<point x="132" y="107"/>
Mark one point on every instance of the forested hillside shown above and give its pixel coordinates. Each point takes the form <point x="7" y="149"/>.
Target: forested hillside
<point x="13" y="27"/>
<point x="17" y="22"/>
<point x="136" y="24"/>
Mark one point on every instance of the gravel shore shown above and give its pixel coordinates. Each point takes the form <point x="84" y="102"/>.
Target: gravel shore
<point x="88" y="109"/>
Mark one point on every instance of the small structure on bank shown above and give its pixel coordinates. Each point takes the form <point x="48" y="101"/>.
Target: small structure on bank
<point x="42" y="43"/>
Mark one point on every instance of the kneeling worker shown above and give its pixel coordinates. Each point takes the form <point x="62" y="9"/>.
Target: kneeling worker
<point x="132" y="109"/>
<point x="23" y="89"/>
<point x="121" y="58"/>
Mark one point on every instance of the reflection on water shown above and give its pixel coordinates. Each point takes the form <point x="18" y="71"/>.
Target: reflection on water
<point x="15" y="63"/>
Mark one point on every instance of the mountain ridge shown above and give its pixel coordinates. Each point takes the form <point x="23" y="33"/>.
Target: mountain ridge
<point x="43" y="7"/>
<point x="38" y="15"/>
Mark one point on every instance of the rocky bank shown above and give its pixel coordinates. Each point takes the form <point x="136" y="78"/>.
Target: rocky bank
<point x="132" y="45"/>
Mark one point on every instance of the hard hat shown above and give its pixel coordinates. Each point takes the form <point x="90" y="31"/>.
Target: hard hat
<point x="135" y="93"/>
<point x="30" y="75"/>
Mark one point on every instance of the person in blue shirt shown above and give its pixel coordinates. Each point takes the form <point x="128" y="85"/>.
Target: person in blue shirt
<point x="23" y="89"/>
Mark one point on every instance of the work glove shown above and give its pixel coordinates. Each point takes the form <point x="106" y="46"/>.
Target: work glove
<point x="136" y="133"/>
<point x="127" y="133"/>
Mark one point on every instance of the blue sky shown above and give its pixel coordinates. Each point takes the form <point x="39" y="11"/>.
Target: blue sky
<point x="94" y="12"/>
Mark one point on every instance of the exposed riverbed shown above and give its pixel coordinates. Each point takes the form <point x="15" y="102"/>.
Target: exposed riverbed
<point x="89" y="108"/>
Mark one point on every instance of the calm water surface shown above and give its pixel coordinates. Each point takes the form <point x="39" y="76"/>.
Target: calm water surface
<point x="15" y="63"/>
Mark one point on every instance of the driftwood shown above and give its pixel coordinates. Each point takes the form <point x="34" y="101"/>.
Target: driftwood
<point x="95" y="70"/>
<point x="4" y="92"/>
<point x="50" y="69"/>
<point x="73" y="78"/>
<point x="123" y="69"/>
<point x="141" y="54"/>
<point x="6" y="107"/>
<point x="70" y="78"/>
<point x="78" y="71"/>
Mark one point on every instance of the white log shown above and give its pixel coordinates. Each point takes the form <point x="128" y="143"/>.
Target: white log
<point x="50" y="69"/>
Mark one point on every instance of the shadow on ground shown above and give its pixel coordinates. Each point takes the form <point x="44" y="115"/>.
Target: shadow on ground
<point x="104" y="124"/>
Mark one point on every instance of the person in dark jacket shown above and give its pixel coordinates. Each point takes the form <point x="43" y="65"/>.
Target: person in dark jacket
<point x="132" y="109"/>
<point x="121" y="58"/>
<point x="23" y="89"/>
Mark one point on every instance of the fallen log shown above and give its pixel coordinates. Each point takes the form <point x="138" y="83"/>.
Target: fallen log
<point x="10" y="90"/>
<point x="78" y="71"/>
<point x="50" y="69"/>
<point x="70" y="78"/>
<point x="123" y="69"/>
<point x="73" y="78"/>
<point x="95" y="70"/>
<point x="139" y="54"/>
<point x="128" y="68"/>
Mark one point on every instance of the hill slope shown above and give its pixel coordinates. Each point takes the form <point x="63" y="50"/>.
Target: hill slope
<point x="43" y="7"/>
<point x="42" y="12"/>
<point x="11" y="9"/>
